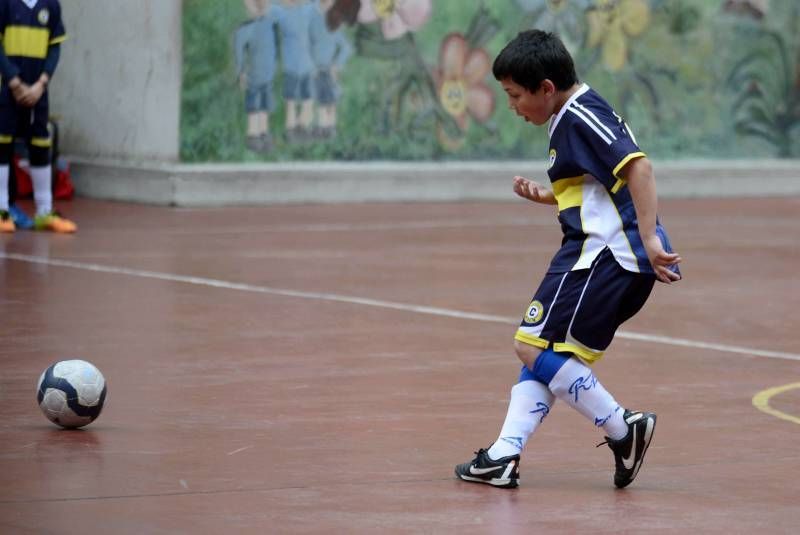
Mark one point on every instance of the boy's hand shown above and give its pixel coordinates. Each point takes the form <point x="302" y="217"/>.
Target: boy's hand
<point x="533" y="191"/>
<point x="661" y="260"/>
<point x="32" y="95"/>
<point x="18" y="88"/>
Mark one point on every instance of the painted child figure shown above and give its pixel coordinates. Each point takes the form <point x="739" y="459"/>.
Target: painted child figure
<point x="330" y="50"/>
<point x="613" y="251"/>
<point x="256" y="55"/>
<point x="294" y="24"/>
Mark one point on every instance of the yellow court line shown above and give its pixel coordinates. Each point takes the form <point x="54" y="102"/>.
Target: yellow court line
<point x="761" y="402"/>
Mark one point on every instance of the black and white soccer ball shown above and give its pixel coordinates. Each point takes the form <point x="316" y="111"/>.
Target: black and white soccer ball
<point x="71" y="393"/>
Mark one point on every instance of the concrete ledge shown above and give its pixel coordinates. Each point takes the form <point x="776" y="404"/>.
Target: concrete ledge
<point x="332" y="182"/>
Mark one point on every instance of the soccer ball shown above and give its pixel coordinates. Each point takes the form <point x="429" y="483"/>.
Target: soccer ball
<point x="71" y="393"/>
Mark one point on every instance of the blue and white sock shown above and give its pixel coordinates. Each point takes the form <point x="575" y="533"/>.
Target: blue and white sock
<point x="530" y="402"/>
<point x="575" y="384"/>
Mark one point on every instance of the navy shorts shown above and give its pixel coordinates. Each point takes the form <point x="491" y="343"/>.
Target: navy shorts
<point x="259" y="98"/>
<point x="25" y="123"/>
<point x="296" y="86"/>
<point x="579" y="311"/>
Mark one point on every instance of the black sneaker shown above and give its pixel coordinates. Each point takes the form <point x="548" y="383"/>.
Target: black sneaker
<point x="629" y="451"/>
<point x="503" y="473"/>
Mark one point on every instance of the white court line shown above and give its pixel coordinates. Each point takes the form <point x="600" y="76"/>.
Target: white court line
<point x="434" y="311"/>
<point x="368" y="227"/>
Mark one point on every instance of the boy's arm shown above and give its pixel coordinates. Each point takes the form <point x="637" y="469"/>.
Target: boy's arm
<point x="533" y="191"/>
<point x="638" y="173"/>
<point x="37" y="89"/>
<point x="10" y="72"/>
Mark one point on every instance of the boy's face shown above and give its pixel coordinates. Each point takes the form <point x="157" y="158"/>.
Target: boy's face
<point x="535" y="107"/>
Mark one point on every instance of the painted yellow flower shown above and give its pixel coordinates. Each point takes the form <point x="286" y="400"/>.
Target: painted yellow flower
<point x="611" y="23"/>
<point x="460" y="83"/>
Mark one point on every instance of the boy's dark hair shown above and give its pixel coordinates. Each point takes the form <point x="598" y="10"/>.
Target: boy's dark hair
<point x="532" y="56"/>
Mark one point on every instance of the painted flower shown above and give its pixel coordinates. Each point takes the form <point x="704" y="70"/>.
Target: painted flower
<point x="611" y="23"/>
<point x="397" y="17"/>
<point x="460" y="83"/>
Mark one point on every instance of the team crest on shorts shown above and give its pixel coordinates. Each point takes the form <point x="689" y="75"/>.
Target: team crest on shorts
<point x="43" y="16"/>
<point x="535" y="312"/>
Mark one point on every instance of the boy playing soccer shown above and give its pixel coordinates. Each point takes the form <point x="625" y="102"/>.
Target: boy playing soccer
<point x="612" y="252"/>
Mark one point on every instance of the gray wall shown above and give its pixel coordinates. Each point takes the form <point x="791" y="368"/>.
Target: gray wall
<point x="117" y="87"/>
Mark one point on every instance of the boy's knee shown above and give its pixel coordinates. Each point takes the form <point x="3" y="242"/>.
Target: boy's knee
<point x="526" y="353"/>
<point x="38" y="156"/>
<point x="547" y="366"/>
<point x="6" y="153"/>
<point x="541" y="365"/>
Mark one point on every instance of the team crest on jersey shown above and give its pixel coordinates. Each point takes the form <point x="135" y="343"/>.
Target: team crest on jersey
<point x="552" y="158"/>
<point x="535" y="312"/>
<point x="43" y="16"/>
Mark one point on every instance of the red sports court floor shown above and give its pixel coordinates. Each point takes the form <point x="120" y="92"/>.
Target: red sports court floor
<point x="321" y="369"/>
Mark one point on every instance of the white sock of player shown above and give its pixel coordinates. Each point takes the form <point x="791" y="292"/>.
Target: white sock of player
<point x="530" y="403"/>
<point x="42" y="189"/>
<point x="4" y="187"/>
<point x="575" y="384"/>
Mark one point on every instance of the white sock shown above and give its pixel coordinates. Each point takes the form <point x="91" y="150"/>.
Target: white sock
<point x="575" y="384"/>
<point x="4" y="187"/>
<point x="530" y="403"/>
<point x="42" y="178"/>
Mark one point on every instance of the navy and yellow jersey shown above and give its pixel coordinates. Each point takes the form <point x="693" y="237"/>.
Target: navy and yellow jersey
<point x="28" y="28"/>
<point x="589" y="145"/>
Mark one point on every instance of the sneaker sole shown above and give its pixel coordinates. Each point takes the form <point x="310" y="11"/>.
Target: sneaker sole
<point x="495" y="482"/>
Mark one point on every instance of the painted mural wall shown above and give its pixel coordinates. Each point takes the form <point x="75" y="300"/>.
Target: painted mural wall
<point x="283" y="80"/>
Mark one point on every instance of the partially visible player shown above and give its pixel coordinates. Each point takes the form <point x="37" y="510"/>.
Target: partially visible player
<point x="612" y="252"/>
<point x="32" y="31"/>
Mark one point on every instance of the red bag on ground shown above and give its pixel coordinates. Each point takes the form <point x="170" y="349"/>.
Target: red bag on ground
<point x="62" y="183"/>
<point x="63" y="188"/>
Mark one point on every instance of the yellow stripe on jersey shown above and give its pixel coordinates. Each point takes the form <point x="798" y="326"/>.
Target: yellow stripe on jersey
<point x="531" y="339"/>
<point x="617" y="185"/>
<point x="568" y="192"/>
<point x="59" y="39"/>
<point x="27" y="42"/>
<point x="6" y="140"/>
<point x="624" y="162"/>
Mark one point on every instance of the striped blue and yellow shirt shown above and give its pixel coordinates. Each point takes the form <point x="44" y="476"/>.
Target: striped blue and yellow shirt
<point x="589" y="145"/>
<point x="28" y="28"/>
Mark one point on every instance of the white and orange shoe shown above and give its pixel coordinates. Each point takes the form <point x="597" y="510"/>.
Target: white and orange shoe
<point x="6" y="223"/>
<point x="54" y="222"/>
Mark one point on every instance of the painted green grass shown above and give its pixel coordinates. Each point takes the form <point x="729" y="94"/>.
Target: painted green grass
<point x="675" y="89"/>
